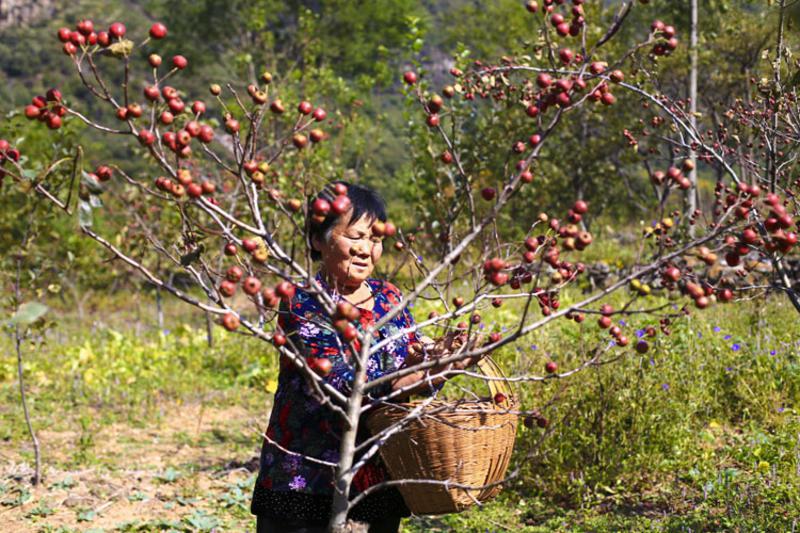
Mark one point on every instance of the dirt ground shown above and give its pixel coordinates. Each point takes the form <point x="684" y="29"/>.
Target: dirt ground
<point x="192" y="470"/>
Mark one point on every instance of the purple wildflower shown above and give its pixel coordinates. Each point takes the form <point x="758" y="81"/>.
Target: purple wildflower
<point x="640" y="333"/>
<point x="779" y="409"/>
<point x="699" y="335"/>
<point x="623" y="323"/>
<point x="735" y="347"/>
<point x="727" y="337"/>
<point x="665" y="386"/>
<point x="772" y="352"/>
<point x="298" y="483"/>
<point x="534" y="347"/>
<point x="717" y="329"/>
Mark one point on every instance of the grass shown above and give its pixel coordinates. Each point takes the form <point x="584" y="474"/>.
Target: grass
<point x="148" y="430"/>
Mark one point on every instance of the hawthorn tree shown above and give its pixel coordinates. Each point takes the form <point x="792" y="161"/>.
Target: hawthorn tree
<point x="233" y="190"/>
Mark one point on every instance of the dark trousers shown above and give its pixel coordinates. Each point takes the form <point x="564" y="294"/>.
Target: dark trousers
<point x="265" y="524"/>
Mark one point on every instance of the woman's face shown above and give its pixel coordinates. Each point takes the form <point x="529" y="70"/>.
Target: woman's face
<point x="349" y="256"/>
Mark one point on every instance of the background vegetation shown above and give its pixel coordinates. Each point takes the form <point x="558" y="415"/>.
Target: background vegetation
<point x="144" y="427"/>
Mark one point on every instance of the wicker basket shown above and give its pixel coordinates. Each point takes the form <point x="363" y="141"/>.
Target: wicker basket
<point x="465" y="442"/>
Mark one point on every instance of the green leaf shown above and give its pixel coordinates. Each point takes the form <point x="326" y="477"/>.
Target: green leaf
<point x="28" y="313"/>
<point x="122" y="48"/>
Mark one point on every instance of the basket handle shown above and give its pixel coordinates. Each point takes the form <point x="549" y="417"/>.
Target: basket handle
<point x="490" y="368"/>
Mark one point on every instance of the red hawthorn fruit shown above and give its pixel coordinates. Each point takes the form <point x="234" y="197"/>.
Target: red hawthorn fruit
<point x="230" y="321"/>
<point x="158" y="31"/>
<point x="208" y="187"/>
<point x="316" y="135"/>
<point x="299" y="140"/>
<point x="192" y="128"/>
<point x="179" y="62"/>
<point x="550" y="367"/>
<point x="435" y="103"/>
<point x="321" y="207"/>
<point x="616" y="76"/>
<point x="284" y="290"/>
<point x="535" y="139"/>
<point x="410" y="77"/>
<point x="206" y="134"/>
<point x="146" y="137"/>
<point x="323" y="366"/>
<point x="154" y="60"/>
<point x="488" y="193"/>
<point x="234" y="273"/>
<point x="32" y="112"/>
<point x="432" y="120"/>
<point x="63" y="34"/>
<point x="249" y="245"/>
<point x="304" y="108"/>
<point x="642" y="346"/>
<point x="608" y="98"/>
<point x="117" y="30"/>
<point x="580" y="207"/>
<point x="526" y="176"/>
<point x="565" y="29"/>
<point x="251" y="285"/>
<point x="500" y="398"/>
<point x="566" y="55"/>
<point x="230" y="249"/>
<point x="232" y="125"/>
<point x="227" y="288"/>
<point x="104" y="172"/>
<point x="270" y="298"/>
<point x="194" y="190"/>
<point x="198" y="107"/>
<point x="319" y="114"/>
<point x="278" y="339"/>
<point x="544" y="80"/>
<point x="103" y="39"/>
<point x="152" y="93"/>
<point x="604" y="322"/>
<point x="725" y="295"/>
<point x="341" y="204"/>
<point x="532" y="111"/>
<point x="532" y="6"/>
<point x="446" y="157"/>
<point x="85" y="26"/>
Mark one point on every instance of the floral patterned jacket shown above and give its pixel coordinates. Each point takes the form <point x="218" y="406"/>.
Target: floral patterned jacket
<point x="299" y="423"/>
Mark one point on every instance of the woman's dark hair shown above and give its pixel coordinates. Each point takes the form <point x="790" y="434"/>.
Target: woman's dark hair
<point x="365" y="201"/>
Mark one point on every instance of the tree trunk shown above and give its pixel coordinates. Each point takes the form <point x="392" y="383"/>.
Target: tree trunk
<point x="693" y="193"/>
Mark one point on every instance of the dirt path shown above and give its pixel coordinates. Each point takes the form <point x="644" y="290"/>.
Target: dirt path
<point x="192" y="471"/>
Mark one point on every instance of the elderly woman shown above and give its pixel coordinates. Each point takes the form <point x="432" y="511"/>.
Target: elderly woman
<point x="293" y="492"/>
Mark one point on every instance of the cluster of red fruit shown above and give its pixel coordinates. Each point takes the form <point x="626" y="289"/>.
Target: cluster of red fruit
<point x="185" y="185"/>
<point x="777" y="222"/>
<point x="558" y="20"/>
<point x="251" y="286"/>
<point x="176" y="140"/>
<point x="47" y="109"/>
<point x="668" y="41"/>
<point x="84" y="35"/>
<point x="674" y="175"/>
<point x="7" y="153"/>
<point x="605" y="322"/>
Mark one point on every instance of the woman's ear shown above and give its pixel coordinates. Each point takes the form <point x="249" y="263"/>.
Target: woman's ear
<point x="316" y="243"/>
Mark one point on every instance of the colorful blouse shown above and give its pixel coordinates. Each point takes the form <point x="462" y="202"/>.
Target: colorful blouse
<point x="299" y="422"/>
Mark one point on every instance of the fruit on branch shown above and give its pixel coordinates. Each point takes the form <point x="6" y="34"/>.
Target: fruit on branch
<point x="234" y="273"/>
<point x="299" y="140"/>
<point x="544" y="80"/>
<point x="271" y="300"/>
<point x="432" y="120"/>
<point x="63" y="34"/>
<point x="616" y="76"/>
<point x="604" y="322"/>
<point x="532" y="6"/>
<point x="323" y="366"/>
<point x="194" y="190"/>
<point x="566" y="55"/>
<point x="410" y="77"/>
<point x="608" y="98"/>
<point x="341" y="204"/>
<point x="316" y="135"/>
<point x="551" y="367"/>
<point x="251" y="285"/>
<point x="104" y="172"/>
<point x="227" y="288"/>
<point x="500" y="398"/>
<point x="117" y="30"/>
<point x="152" y="93"/>
<point x="232" y="125"/>
<point x="85" y="26"/>
<point x="488" y="193"/>
<point x="158" y="30"/>
<point x="319" y="114"/>
<point x="166" y="118"/>
<point x="321" y="207"/>
<point x="277" y="107"/>
<point x="278" y="339"/>
<point x="206" y="134"/>
<point x="435" y="104"/>
<point x="70" y="49"/>
<point x="230" y="321"/>
<point x="304" y="108"/>
<point x="446" y="157"/>
<point x="146" y="137"/>
<point x="179" y="62"/>
<point x="134" y="110"/>
<point x="285" y="290"/>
